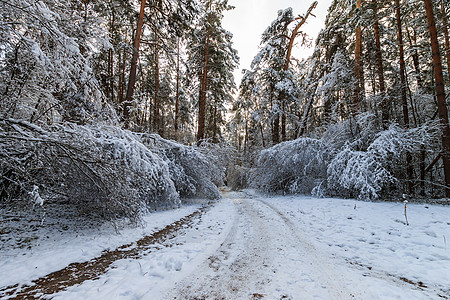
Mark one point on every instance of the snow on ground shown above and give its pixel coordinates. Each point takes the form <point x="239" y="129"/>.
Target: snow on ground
<point x="250" y="246"/>
<point x="157" y="272"/>
<point x="374" y="236"/>
<point x="53" y="248"/>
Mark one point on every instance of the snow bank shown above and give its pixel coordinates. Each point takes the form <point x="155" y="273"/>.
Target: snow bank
<point x="374" y="237"/>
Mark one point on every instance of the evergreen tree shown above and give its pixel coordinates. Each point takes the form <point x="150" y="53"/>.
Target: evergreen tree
<point x="211" y="61"/>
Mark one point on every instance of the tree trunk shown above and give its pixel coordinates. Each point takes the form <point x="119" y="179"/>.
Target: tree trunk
<point x="178" y="88"/>
<point x="294" y="33"/>
<point x="121" y="87"/>
<point x="358" y="65"/>
<point x="262" y="134"/>
<point x="288" y="60"/>
<point x="304" y="118"/>
<point x="409" y="168"/>
<point x="156" y="113"/>
<point x="422" y="171"/>
<point x="402" y="64"/>
<point x="111" y="60"/>
<point x="440" y="92"/>
<point x="381" y="82"/>
<point x="276" y="130"/>
<point x="275" y="122"/>
<point x="202" y="100"/>
<point x="415" y="57"/>
<point x="111" y="74"/>
<point x="447" y="41"/>
<point x="283" y="123"/>
<point x="214" y="122"/>
<point x="134" y="59"/>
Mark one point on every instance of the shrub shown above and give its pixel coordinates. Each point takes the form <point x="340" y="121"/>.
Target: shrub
<point x="192" y="171"/>
<point x="99" y="169"/>
<point x="349" y="159"/>
<point x="292" y="167"/>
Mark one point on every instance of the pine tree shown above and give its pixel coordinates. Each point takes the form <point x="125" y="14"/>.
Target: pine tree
<point x="211" y="60"/>
<point x="440" y="92"/>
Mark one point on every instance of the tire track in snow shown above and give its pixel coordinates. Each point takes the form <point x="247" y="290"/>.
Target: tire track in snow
<point x="235" y="269"/>
<point x="263" y="256"/>
<point x="332" y="281"/>
<point x="366" y="272"/>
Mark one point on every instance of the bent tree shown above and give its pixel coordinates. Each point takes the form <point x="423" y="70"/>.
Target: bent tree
<point x="277" y="85"/>
<point x="134" y="59"/>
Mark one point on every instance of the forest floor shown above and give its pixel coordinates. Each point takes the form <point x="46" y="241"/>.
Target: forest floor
<point x="245" y="246"/>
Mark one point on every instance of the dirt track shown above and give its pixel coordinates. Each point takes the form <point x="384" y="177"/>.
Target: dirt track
<point x="256" y="259"/>
<point x="77" y="273"/>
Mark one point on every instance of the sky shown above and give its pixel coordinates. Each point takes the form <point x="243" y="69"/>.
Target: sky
<point x="250" y="18"/>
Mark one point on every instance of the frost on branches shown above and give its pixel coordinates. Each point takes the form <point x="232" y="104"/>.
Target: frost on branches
<point x="101" y="170"/>
<point x="47" y="53"/>
<point x="293" y="167"/>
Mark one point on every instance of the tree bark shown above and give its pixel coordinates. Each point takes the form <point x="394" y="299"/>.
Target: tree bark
<point x="447" y="40"/>
<point x="409" y="168"/>
<point x="440" y="92"/>
<point x="202" y="100"/>
<point x="358" y="65"/>
<point x="111" y="75"/>
<point x="111" y="60"/>
<point x="380" y="70"/>
<point x="402" y="64"/>
<point x="275" y="123"/>
<point x="294" y="33"/>
<point x="134" y="59"/>
<point x="283" y="123"/>
<point x="288" y="60"/>
<point x="178" y="88"/>
<point x="415" y="57"/>
<point x="156" y="113"/>
<point x="308" y="106"/>
<point x="276" y="130"/>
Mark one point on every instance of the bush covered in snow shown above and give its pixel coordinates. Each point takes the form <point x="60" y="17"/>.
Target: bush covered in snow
<point x="293" y="167"/>
<point x="99" y="169"/>
<point x="370" y="174"/>
<point x="348" y="159"/>
<point x="357" y="174"/>
<point x="194" y="170"/>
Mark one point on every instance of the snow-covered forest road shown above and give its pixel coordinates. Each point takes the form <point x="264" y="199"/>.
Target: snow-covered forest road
<point x="247" y="246"/>
<point x="263" y="254"/>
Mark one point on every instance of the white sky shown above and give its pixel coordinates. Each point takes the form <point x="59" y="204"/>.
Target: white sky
<point x="251" y="17"/>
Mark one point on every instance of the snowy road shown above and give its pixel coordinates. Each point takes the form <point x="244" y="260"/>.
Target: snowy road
<point x="263" y="254"/>
<point x="248" y="246"/>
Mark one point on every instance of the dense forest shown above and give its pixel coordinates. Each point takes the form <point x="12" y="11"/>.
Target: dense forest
<point x="365" y="116"/>
<point x="118" y="107"/>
